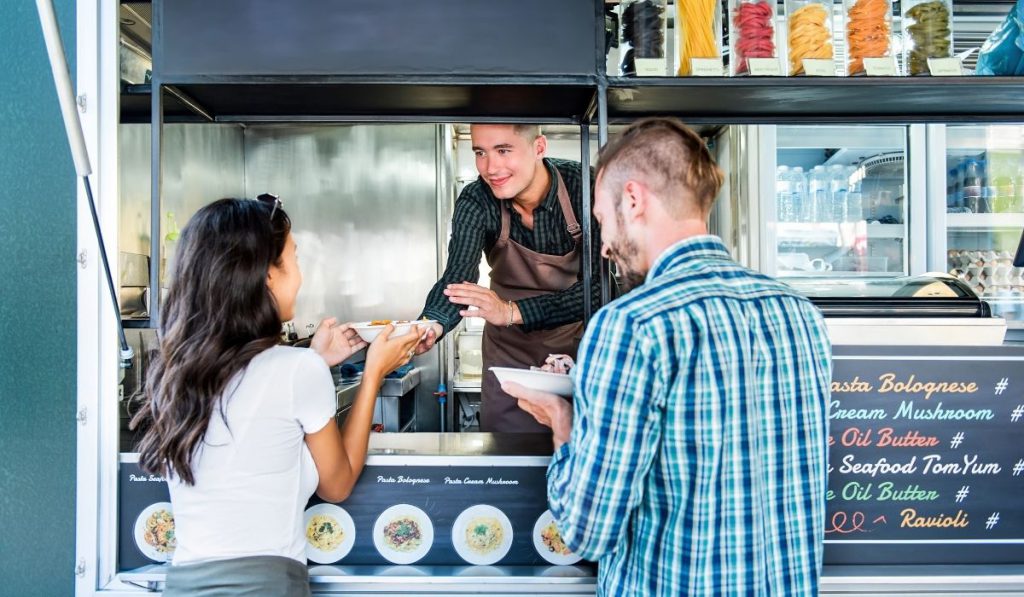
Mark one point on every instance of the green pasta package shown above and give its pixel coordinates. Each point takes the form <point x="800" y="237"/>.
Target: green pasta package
<point x="927" y="33"/>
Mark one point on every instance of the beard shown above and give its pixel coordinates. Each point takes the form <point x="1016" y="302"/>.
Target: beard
<point x="625" y="253"/>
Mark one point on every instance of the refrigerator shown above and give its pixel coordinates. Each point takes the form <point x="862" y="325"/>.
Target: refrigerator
<point x="864" y="214"/>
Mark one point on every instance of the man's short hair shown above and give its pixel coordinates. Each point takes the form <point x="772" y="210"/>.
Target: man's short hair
<point x="529" y="131"/>
<point x="667" y="156"/>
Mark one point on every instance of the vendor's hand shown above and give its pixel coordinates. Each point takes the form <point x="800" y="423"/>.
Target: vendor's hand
<point x="335" y="343"/>
<point x="428" y="339"/>
<point x="549" y="409"/>
<point x="489" y="305"/>
<point x="387" y="354"/>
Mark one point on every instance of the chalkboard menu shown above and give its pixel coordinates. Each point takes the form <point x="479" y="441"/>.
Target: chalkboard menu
<point x="926" y="459"/>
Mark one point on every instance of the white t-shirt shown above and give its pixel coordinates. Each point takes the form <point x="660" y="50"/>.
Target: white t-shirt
<point x="254" y="476"/>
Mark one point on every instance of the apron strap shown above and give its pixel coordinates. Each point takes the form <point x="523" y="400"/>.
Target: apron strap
<point x="572" y="225"/>
<point x="505" y="221"/>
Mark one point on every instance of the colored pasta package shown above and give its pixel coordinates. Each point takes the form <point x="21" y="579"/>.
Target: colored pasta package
<point x="699" y="28"/>
<point x="927" y="33"/>
<point x="751" y="33"/>
<point x="643" y="38"/>
<point x="868" y="32"/>
<point x="808" y="33"/>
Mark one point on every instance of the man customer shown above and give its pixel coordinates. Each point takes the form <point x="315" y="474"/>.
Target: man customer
<point x="693" y="458"/>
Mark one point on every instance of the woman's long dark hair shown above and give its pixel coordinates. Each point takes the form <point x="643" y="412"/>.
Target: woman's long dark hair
<point x="219" y="314"/>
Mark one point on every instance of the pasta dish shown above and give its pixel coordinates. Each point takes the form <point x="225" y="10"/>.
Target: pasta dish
<point x="324" y="533"/>
<point x="160" y="531"/>
<point x="484" y="534"/>
<point x="552" y="539"/>
<point x="403" y="534"/>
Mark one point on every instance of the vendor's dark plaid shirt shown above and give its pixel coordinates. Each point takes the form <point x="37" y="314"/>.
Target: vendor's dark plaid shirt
<point x="476" y="225"/>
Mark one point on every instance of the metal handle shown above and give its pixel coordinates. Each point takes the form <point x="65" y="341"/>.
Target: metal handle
<point x="65" y="92"/>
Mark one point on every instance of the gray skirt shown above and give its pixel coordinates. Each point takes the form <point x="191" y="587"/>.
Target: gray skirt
<point x="252" y="576"/>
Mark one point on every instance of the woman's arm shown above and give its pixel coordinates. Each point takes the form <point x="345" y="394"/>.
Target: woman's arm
<point x="340" y="455"/>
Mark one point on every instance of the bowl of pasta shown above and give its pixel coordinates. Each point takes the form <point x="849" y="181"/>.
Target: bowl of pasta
<point x="482" y="535"/>
<point x="369" y="330"/>
<point x="330" y="533"/>
<point x="154" y="532"/>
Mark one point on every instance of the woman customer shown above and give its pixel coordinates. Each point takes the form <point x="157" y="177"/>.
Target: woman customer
<point x="241" y="426"/>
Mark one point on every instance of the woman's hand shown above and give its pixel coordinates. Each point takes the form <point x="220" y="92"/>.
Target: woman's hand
<point x="335" y="343"/>
<point x="387" y="354"/>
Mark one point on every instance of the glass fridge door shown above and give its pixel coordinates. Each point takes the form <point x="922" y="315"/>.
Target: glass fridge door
<point x="985" y="213"/>
<point x="841" y="206"/>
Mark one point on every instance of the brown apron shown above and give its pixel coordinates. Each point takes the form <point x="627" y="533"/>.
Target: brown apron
<point x="518" y="273"/>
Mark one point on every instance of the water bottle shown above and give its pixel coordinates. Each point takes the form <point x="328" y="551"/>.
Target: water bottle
<point x="784" y="195"/>
<point x="817" y="182"/>
<point x="972" y="186"/>
<point x="798" y="188"/>
<point x="839" y="188"/>
<point x="854" y="211"/>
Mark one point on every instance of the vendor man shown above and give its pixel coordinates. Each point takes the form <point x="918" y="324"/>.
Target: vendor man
<point x="524" y="214"/>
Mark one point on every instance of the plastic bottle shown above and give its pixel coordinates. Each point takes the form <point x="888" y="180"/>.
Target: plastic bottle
<point x="785" y="208"/>
<point x="818" y="193"/>
<point x="972" y="186"/>
<point x="798" y="187"/>
<point x="854" y="211"/>
<point x="839" y="188"/>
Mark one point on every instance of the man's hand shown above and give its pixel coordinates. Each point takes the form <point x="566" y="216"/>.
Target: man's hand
<point x="549" y="409"/>
<point x="489" y="305"/>
<point x="429" y="338"/>
<point x="335" y="343"/>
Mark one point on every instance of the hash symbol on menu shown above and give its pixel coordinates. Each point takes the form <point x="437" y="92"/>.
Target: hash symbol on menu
<point x="962" y="494"/>
<point x="955" y="442"/>
<point x="1017" y="413"/>
<point x="1018" y="468"/>
<point x="1002" y="385"/>
<point x="992" y="520"/>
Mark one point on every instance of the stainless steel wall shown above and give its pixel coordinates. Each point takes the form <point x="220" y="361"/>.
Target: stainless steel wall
<point x="364" y="203"/>
<point x="201" y="163"/>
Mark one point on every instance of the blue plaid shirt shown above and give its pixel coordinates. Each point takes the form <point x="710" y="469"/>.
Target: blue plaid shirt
<point x="697" y="460"/>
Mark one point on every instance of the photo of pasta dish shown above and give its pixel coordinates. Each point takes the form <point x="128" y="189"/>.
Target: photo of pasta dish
<point x="484" y="534"/>
<point x="552" y="539"/>
<point x="324" y="532"/>
<point x="159" y="532"/>
<point x="403" y="534"/>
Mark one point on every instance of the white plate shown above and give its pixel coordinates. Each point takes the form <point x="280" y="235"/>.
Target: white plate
<point x="348" y="538"/>
<point x="370" y="332"/>
<point x="463" y="525"/>
<point x="538" y="543"/>
<point x="385" y="548"/>
<point x="555" y="383"/>
<point x="148" y="550"/>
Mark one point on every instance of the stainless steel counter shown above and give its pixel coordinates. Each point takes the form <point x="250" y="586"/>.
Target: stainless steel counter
<point x="461" y="444"/>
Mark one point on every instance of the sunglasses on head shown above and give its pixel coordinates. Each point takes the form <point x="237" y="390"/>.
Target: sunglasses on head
<point x="272" y="200"/>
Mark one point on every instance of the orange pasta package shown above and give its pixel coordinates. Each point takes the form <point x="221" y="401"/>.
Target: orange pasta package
<point x="699" y="30"/>
<point x="808" y="33"/>
<point x="868" y="32"/>
<point x="751" y="33"/>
